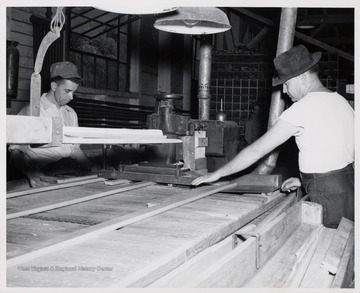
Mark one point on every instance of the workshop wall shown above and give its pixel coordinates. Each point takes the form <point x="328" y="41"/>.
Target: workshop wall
<point x="20" y="30"/>
<point x="144" y="53"/>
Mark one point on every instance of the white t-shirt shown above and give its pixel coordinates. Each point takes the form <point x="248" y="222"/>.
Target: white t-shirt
<point x="326" y="131"/>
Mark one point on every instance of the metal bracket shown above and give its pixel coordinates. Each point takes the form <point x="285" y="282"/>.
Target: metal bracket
<point x="57" y="131"/>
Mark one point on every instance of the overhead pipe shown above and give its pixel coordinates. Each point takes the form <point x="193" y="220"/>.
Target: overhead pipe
<point x="277" y="105"/>
<point x="204" y="77"/>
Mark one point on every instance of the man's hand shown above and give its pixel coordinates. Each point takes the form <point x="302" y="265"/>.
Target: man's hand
<point x="290" y="184"/>
<point x="211" y="177"/>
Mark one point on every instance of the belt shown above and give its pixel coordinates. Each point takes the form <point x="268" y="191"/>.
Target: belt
<point x="349" y="167"/>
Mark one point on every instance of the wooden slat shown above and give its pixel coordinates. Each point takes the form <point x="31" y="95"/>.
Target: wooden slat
<point x="28" y="130"/>
<point x="303" y="260"/>
<point x="345" y="273"/>
<point x="117" y="223"/>
<point x="180" y="276"/>
<point x="89" y="132"/>
<point x="277" y="232"/>
<point x="130" y="140"/>
<point x="230" y="270"/>
<point x="315" y="277"/>
<point x="52" y="187"/>
<point x="334" y="254"/>
<point x="78" y="200"/>
<point x="74" y="179"/>
<point x="88" y="135"/>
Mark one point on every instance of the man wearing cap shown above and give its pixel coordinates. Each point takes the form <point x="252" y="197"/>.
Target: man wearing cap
<point x="322" y="123"/>
<point x="25" y="159"/>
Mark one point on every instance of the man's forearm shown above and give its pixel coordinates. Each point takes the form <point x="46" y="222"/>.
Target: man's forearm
<point x="244" y="159"/>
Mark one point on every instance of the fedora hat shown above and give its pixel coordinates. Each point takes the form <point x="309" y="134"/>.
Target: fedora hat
<point x="294" y="62"/>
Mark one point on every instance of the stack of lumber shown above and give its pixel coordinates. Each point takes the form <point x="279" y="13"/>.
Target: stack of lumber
<point x="287" y="248"/>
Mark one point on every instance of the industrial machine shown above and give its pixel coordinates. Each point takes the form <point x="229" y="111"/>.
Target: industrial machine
<point x="206" y="145"/>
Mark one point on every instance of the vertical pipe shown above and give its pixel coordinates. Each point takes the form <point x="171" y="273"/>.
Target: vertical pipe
<point x="277" y="105"/>
<point x="204" y="77"/>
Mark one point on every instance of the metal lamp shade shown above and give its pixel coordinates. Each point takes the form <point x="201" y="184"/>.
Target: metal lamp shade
<point x="150" y="8"/>
<point x="194" y="21"/>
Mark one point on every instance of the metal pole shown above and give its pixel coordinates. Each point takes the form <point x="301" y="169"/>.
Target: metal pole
<point x="204" y="77"/>
<point x="277" y="105"/>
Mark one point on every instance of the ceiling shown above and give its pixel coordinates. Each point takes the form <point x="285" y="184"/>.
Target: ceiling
<point x="328" y="28"/>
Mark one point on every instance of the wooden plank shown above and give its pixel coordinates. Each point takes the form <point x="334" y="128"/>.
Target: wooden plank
<point x="116" y="182"/>
<point x="90" y="132"/>
<point x="89" y="135"/>
<point x="344" y="277"/>
<point x="130" y="140"/>
<point x="148" y="274"/>
<point x="334" y="254"/>
<point x="314" y="276"/>
<point x="181" y="275"/>
<point x="257" y="183"/>
<point x="28" y="130"/>
<point x="274" y="234"/>
<point x="52" y="187"/>
<point x="303" y="260"/>
<point x="117" y="223"/>
<point x="312" y="213"/>
<point x="275" y="212"/>
<point x="229" y="271"/>
<point x="74" y="179"/>
<point x="76" y="201"/>
<point x="24" y="235"/>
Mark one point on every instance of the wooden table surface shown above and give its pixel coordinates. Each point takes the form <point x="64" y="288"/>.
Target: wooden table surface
<point x="134" y="255"/>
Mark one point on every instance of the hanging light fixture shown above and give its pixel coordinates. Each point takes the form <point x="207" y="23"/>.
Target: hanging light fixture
<point x="194" y="21"/>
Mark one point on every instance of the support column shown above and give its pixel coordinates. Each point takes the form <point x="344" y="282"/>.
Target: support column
<point x="277" y="106"/>
<point x="204" y="77"/>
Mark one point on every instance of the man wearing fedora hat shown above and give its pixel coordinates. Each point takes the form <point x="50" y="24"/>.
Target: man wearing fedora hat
<point x="25" y="159"/>
<point x="322" y="123"/>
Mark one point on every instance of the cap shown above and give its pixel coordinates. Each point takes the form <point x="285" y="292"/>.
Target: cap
<point x="64" y="69"/>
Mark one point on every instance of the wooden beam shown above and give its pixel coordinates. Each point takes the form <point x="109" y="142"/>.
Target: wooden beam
<point x="277" y="232"/>
<point x="279" y="209"/>
<point x="257" y="183"/>
<point x="52" y="187"/>
<point x="180" y="276"/>
<point x="324" y="46"/>
<point x="75" y="179"/>
<point x="229" y="271"/>
<point x="77" y="200"/>
<point x="258" y="38"/>
<point x="345" y="273"/>
<point x="229" y="40"/>
<point x="28" y="129"/>
<point x="334" y="253"/>
<point x="89" y="135"/>
<point x="93" y="132"/>
<point x="303" y="261"/>
<point x="254" y="16"/>
<point x="96" y="230"/>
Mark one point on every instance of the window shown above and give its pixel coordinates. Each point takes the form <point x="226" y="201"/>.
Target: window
<point x="98" y="45"/>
